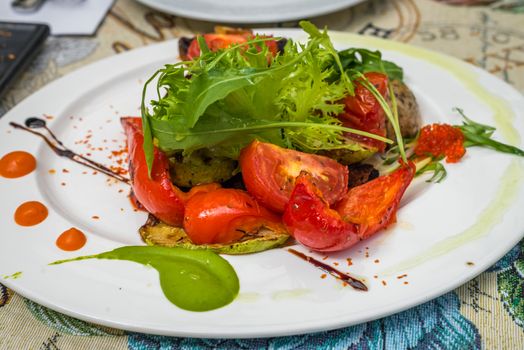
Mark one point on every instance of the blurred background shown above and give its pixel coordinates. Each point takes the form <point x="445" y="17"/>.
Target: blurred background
<point x="487" y="33"/>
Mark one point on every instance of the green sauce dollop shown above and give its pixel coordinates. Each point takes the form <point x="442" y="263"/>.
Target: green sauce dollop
<point x="194" y="280"/>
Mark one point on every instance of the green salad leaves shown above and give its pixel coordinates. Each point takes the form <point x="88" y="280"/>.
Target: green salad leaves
<point x="223" y="100"/>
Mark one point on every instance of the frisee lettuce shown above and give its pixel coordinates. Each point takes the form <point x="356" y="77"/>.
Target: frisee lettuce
<point x="223" y="100"/>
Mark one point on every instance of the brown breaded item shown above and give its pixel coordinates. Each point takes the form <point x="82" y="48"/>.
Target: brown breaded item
<point x="408" y="111"/>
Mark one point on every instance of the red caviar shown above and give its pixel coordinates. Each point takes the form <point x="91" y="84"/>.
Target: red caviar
<point x="439" y="140"/>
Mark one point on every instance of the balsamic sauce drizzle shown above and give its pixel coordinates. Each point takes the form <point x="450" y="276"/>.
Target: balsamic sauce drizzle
<point x="353" y="282"/>
<point x="58" y="147"/>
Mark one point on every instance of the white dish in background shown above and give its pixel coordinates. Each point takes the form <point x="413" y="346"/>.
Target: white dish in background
<point x="279" y="293"/>
<point x="249" y="11"/>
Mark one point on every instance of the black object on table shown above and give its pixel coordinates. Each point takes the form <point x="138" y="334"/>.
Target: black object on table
<point x="19" y="44"/>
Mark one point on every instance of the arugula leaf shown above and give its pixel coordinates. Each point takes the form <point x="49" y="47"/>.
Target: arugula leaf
<point x="364" y="61"/>
<point x="209" y="87"/>
<point x="393" y="71"/>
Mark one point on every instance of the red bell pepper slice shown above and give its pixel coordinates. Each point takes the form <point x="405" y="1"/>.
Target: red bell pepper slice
<point x="156" y="194"/>
<point x="365" y="210"/>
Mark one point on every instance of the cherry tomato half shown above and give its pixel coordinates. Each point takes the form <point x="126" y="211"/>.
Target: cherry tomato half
<point x="363" y="111"/>
<point x="224" y="216"/>
<point x="269" y="173"/>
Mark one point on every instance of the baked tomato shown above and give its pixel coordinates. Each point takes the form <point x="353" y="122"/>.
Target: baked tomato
<point x="216" y="42"/>
<point x="365" y="210"/>
<point x="269" y="173"/>
<point x="310" y="220"/>
<point x="363" y="111"/>
<point x="224" y="216"/>
<point x="156" y="193"/>
<point x="373" y="205"/>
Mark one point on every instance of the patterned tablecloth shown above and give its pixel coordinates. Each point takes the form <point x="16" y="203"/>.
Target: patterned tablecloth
<point x="487" y="312"/>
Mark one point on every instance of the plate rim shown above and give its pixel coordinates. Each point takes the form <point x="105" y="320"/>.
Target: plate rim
<point x="246" y="18"/>
<point x="479" y="268"/>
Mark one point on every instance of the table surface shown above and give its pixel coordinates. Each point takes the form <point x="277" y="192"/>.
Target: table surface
<point x="487" y="312"/>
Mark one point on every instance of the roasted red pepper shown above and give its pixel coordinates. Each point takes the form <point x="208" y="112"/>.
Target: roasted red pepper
<point x="216" y="42"/>
<point x="365" y="210"/>
<point x="364" y="112"/>
<point x="208" y="213"/>
<point x="156" y="194"/>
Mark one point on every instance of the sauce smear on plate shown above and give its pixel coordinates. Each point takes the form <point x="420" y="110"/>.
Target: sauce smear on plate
<point x="195" y="280"/>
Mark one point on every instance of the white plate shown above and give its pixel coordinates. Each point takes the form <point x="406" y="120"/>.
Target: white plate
<point x="249" y="11"/>
<point x="474" y="216"/>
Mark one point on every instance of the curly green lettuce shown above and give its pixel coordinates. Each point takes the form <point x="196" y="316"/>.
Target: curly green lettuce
<point x="223" y="100"/>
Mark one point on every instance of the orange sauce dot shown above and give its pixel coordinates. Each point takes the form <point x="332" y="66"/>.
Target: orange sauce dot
<point x="30" y="213"/>
<point x="17" y="164"/>
<point x="72" y="239"/>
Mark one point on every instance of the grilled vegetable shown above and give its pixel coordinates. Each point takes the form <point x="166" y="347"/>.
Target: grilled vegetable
<point x="155" y="232"/>
<point x="200" y="167"/>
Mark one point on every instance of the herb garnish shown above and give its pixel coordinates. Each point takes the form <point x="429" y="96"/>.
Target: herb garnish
<point x="477" y="134"/>
<point x="222" y="100"/>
